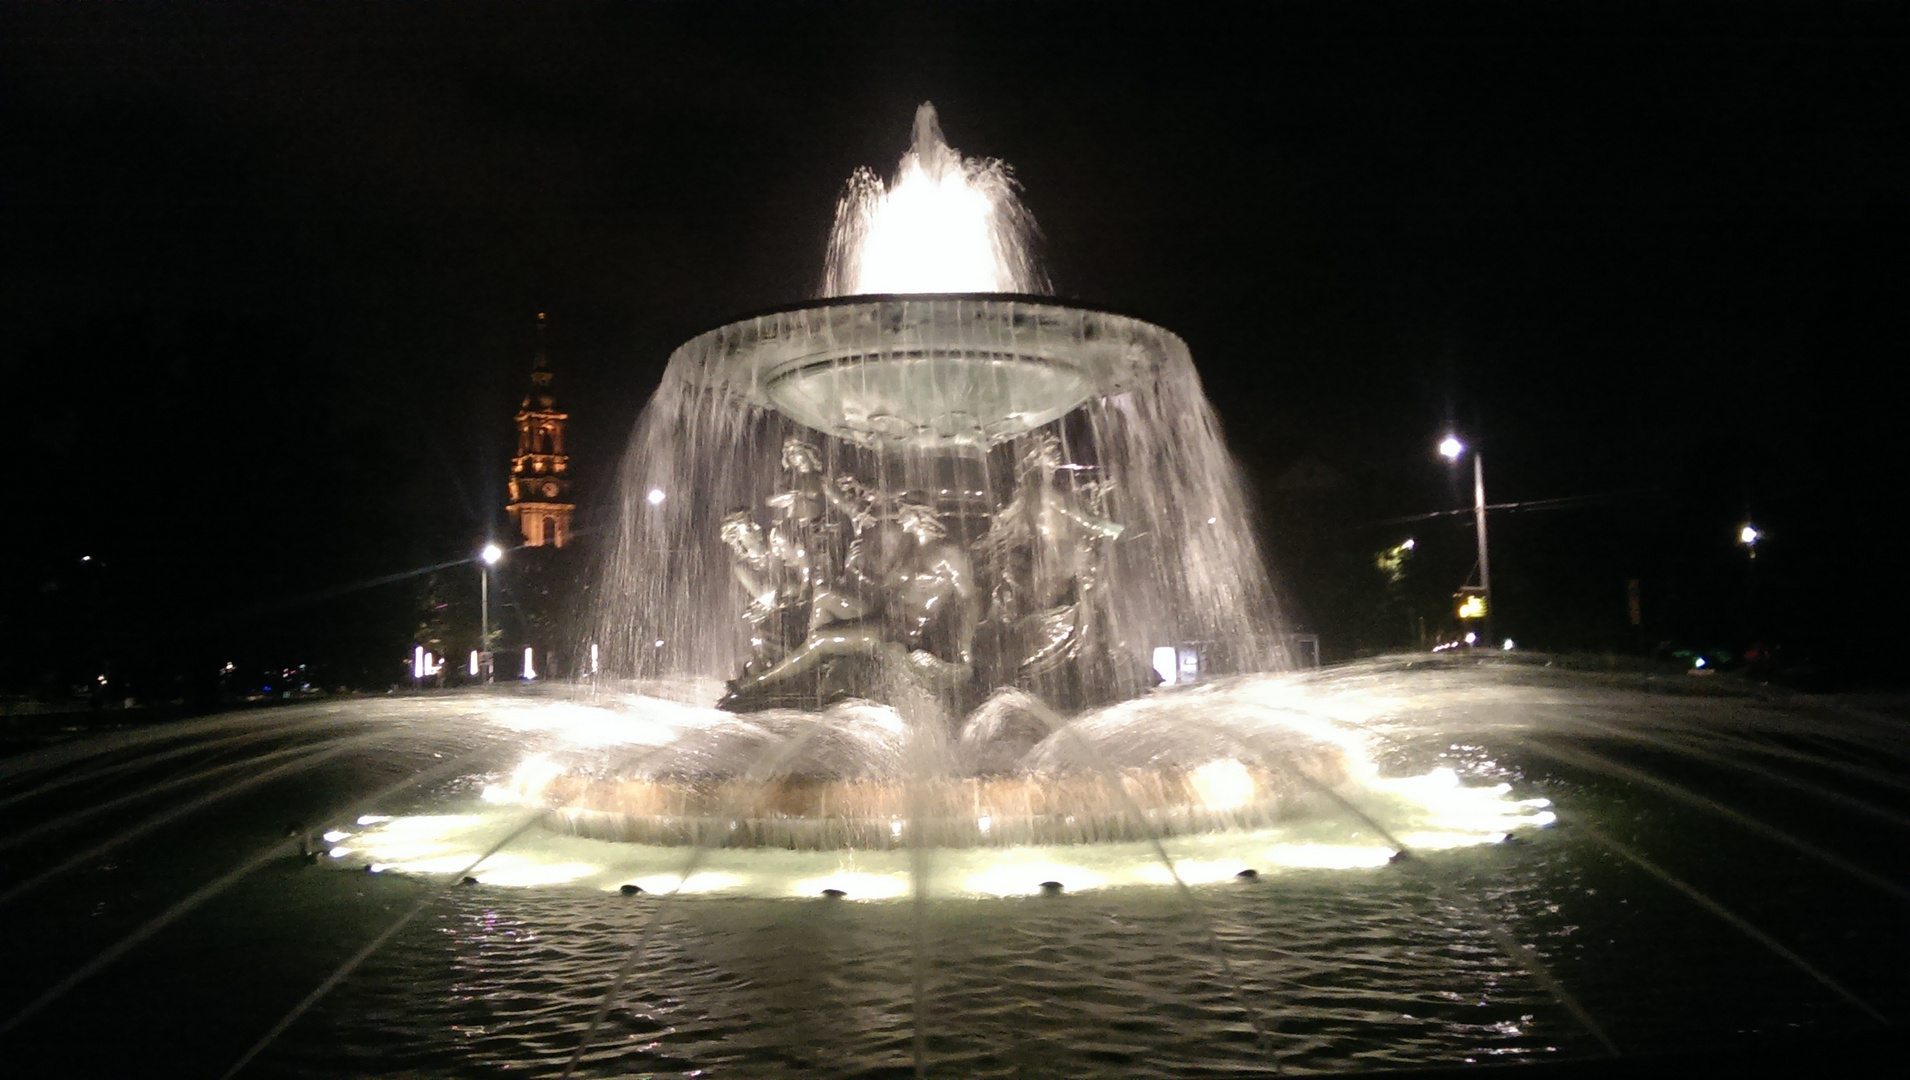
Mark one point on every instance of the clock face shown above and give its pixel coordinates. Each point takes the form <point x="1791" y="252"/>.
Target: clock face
<point x="550" y="491"/>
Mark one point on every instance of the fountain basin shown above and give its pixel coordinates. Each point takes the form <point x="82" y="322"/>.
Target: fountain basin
<point x="929" y="370"/>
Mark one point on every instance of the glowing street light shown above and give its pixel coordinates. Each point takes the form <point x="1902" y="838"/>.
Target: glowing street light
<point x="655" y="497"/>
<point x="487" y="558"/>
<point x="1748" y="536"/>
<point x="1451" y="449"/>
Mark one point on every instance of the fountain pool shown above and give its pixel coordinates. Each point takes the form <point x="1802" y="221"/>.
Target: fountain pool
<point x="888" y="773"/>
<point x="1331" y="957"/>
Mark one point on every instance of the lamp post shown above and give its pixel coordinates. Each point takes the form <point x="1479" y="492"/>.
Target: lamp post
<point x="487" y="558"/>
<point x="1451" y="449"/>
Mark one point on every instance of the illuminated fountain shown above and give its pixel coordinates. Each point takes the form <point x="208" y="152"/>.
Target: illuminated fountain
<point x="895" y="578"/>
<point x="951" y="514"/>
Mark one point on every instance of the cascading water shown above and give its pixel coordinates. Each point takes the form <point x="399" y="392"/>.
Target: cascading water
<point x="931" y="477"/>
<point x="1007" y="415"/>
<point x="1177" y="920"/>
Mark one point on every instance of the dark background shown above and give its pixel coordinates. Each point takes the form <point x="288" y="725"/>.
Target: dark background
<point x="269" y="277"/>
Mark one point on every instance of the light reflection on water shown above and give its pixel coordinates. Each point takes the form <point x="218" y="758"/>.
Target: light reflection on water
<point x="1351" y="961"/>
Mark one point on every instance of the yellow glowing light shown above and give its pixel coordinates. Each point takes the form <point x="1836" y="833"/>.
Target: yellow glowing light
<point x="1473" y="607"/>
<point x="520" y="873"/>
<point x="1192" y="872"/>
<point x="1329" y="856"/>
<point x="1017" y="878"/>
<point x="706" y="881"/>
<point x="855" y="886"/>
<point x="1224" y="784"/>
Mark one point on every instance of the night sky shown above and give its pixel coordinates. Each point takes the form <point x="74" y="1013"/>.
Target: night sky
<point x="271" y="275"/>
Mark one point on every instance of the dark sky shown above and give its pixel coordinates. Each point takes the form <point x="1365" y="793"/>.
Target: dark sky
<point x="270" y="272"/>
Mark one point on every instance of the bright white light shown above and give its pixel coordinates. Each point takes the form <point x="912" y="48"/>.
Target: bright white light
<point x="1507" y="646"/>
<point x="930" y="234"/>
<point x="491" y="554"/>
<point x="1472" y="638"/>
<point x="1406" y="544"/>
<point x="1450" y="448"/>
<point x="1224" y="784"/>
<point x="1748" y="535"/>
<point x="417" y="662"/>
<point x="1699" y="662"/>
<point x="655" y="497"/>
<point x="985" y="823"/>
<point x="530" y="669"/>
<point x="474" y="661"/>
<point x="593" y="658"/>
<point x="333" y="836"/>
<point x="1167" y="663"/>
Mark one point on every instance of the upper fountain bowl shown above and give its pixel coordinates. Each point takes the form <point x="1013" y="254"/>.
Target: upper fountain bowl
<point x="928" y="370"/>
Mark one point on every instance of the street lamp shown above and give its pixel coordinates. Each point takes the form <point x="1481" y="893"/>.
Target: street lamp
<point x="1452" y="449"/>
<point x="487" y="558"/>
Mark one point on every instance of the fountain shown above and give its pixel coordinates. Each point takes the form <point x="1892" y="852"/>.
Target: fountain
<point x="886" y="784"/>
<point x="939" y="491"/>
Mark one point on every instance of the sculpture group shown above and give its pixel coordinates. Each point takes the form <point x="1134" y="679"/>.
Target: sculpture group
<point x="851" y="588"/>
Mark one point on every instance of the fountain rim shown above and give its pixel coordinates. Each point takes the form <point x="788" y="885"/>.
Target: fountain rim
<point x="1070" y="303"/>
<point x="1028" y="378"/>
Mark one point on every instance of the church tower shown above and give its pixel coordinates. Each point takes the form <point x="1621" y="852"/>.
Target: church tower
<point x="540" y="503"/>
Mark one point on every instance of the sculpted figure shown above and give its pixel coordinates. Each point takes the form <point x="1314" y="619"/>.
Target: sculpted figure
<point x="931" y="588"/>
<point x="773" y="584"/>
<point x="806" y="539"/>
<point x="928" y="606"/>
<point x="1046" y="545"/>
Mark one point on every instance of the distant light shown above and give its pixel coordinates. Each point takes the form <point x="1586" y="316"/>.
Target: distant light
<point x="474" y="662"/>
<point x="659" y="643"/>
<point x="1213" y="521"/>
<point x="1450" y="448"/>
<point x="530" y="669"/>
<point x="1472" y="638"/>
<point x="86" y="558"/>
<point x="1407" y="544"/>
<point x="417" y="662"/>
<point x="1699" y="662"/>
<point x="1167" y="663"/>
<point x="655" y="496"/>
<point x="333" y="836"/>
<point x="593" y="658"/>
<point x="491" y="554"/>
<point x="1508" y="645"/>
<point x="1749" y="534"/>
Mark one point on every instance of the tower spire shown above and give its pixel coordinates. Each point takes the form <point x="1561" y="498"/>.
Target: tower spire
<point x="540" y="503"/>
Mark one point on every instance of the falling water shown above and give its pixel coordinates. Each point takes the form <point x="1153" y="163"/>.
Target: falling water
<point x="953" y="400"/>
<point x="945" y="224"/>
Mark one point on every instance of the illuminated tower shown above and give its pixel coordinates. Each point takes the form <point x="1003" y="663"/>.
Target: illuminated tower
<point x="540" y="503"/>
